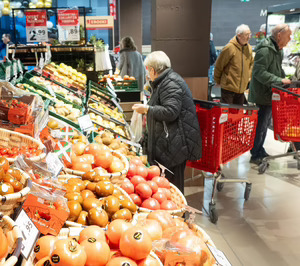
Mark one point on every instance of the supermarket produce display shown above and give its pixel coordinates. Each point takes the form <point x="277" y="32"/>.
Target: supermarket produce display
<point x="84" y="190"/>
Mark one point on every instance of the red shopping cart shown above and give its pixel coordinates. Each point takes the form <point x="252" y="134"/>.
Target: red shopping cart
<point x="286" y="121"/>
<point x="227" y="131"/>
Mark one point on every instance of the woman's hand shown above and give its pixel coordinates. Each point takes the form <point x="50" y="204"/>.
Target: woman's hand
<point x="141" y="108"/>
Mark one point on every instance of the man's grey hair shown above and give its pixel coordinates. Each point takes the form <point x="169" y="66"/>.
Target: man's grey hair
<point x="279" y="28"/>
<point x="241" y="29"/>
<point x="158" y="60"/>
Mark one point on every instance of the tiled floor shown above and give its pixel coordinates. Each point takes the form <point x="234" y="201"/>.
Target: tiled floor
<point x="265" y="230"/>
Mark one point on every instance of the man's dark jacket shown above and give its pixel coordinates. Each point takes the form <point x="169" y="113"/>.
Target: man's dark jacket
<point x="173" y="128"/>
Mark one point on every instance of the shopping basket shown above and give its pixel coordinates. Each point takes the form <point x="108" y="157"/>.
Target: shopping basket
<point x="286" y="120"/>
<point x="227" y="131"/>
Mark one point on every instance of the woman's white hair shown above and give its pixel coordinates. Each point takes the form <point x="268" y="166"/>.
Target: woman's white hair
<point x="241" y="29"/>
<point x="158" y="60"/>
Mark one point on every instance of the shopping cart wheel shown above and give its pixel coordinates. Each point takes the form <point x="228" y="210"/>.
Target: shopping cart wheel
<point x="220" y="186"/>
<point x="263" y="167"/>
<point x="247" y="191"/>
<point x="213" y="214"/>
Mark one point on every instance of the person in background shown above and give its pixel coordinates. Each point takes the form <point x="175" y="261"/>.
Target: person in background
<point x="233" y="67"/>
<point x="6" y="39"/>
<point x="131" y="62"/>
<point x="173" y="135"/>
<point x="212" y="57"/>
<point x="267" y="70"/>
<point x="261" y="34"/>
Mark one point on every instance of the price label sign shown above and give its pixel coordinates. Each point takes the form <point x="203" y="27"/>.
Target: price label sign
<point x="7" y="73"/>
<point x="30" y="233"/>
<point x="36" y="26"/>
<point x="219" y="256"/>
<point x="20" y="66"/>
<point x="51" y="91"/>
<point x="68" y="25"/>
<point x="15" y="68"/>
<point x="54" y="163"/>
<point x="85" y="123"/>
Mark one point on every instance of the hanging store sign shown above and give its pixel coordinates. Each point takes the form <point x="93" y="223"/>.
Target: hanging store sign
<point x="68" y="25"/>
<point x="36" y="26"/>
<point x="113" y="8"/>
<point x="98" y="22"/>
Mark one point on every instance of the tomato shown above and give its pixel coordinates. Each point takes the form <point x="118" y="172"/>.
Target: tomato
<point x="153" y="171"/>
<point x="143" y="190"/>
<point x="151" y="204"/>
<point x="131" y="170"/>
<point x="135" y="243"/>
<point x="115" y="229"/>
<point x="82" y="167"/>
<point x="162" y="182"/>
<point x="152" y="227"/>
<point x="168" y="205"/>
<point x="44" y="246"/>
<point x="68" y="252"/>
<point x="121" y="261"/>
<point x="164" y="218"/>
<point x="153" y="186"/>
<point x="167" y="192"/>
<point x="103" y="158"/>
<point x="142" y="171"/>
<point x="136" y="161"/>
<point x="92" y="231"/>
<point x="187" y="241"/>
<point x="136" y="199"/>
<point x="4" y="245"/>
<point x="93" y="248"/>
<point x="128" y="187"/>
<point x="116" y="166"/>
<point x="159" y="196"/>
<point x="149" y="261"/>
<point x="44" y="261"/>
<point x="93" y="148"/>
<point x="135" y="180"/>
<point x="78" y="148"/>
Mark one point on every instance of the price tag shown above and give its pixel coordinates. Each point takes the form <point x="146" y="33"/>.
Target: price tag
<point x="68" y="33"/>
<point x="54" y="163"/>
<point x="219" y="256"/>
<point x="48" y="55"/>
<point x="37" y="34"/>
<point x="7" y="73"/>
<point x="117" y="104"/>
<point x="30" y="233"/>
<point x="111" y="87"/>
<point x="49" y="87"/>
<point x="42" y="62"/>
<point x="85" y="123"/>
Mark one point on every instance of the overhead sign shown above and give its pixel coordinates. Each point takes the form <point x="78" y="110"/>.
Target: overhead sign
<point x="68" y="25"/>
<point x="98" y="22"/>
<point x="36" y="26"/>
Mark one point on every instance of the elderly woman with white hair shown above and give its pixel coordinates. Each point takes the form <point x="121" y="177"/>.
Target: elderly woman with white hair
<point x="233" y="67"/>
<point x="173" y="132"/>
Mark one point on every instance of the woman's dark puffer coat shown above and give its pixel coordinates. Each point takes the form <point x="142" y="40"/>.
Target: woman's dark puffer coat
<point x="173" y="128"/>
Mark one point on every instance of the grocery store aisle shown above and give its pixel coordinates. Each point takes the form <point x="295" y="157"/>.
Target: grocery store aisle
<point x="265" y="230"/>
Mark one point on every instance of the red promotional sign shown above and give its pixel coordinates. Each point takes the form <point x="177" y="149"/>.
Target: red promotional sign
<point x="68" y="17"/>
<point x="36" y="18"/>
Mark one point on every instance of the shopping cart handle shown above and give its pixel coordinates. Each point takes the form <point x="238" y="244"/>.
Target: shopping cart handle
<point x="294" y="84"/>
<point x="209" y="105"/>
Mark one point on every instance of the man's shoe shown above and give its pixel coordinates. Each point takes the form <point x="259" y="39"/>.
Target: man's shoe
<point x="256" y="161"/>
<point x="264" y="154"/>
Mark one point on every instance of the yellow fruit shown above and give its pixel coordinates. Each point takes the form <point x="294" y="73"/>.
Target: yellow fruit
<point x="53" y="124"/>
<point x="40" y="5"/>
<point x="6" y="4"/>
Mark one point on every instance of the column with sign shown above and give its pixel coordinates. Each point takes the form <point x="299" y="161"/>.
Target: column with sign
<point x="36" y="26"/>
<point x="68" y="25"/>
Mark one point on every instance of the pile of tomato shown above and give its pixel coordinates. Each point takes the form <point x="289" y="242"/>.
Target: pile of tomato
<point x="28" y="151"/>
<point x="147" y="188"/>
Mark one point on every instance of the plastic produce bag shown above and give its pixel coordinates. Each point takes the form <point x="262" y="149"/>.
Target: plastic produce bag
<point x="136" y="126"/>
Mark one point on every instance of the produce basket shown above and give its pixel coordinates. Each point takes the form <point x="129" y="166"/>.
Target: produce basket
<point x="178" y="198"/>
<point x="12" y="139"/>
<point x="7" y="224"/>
<point x="10" y="202"/>
<point x="110" y="175"/>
